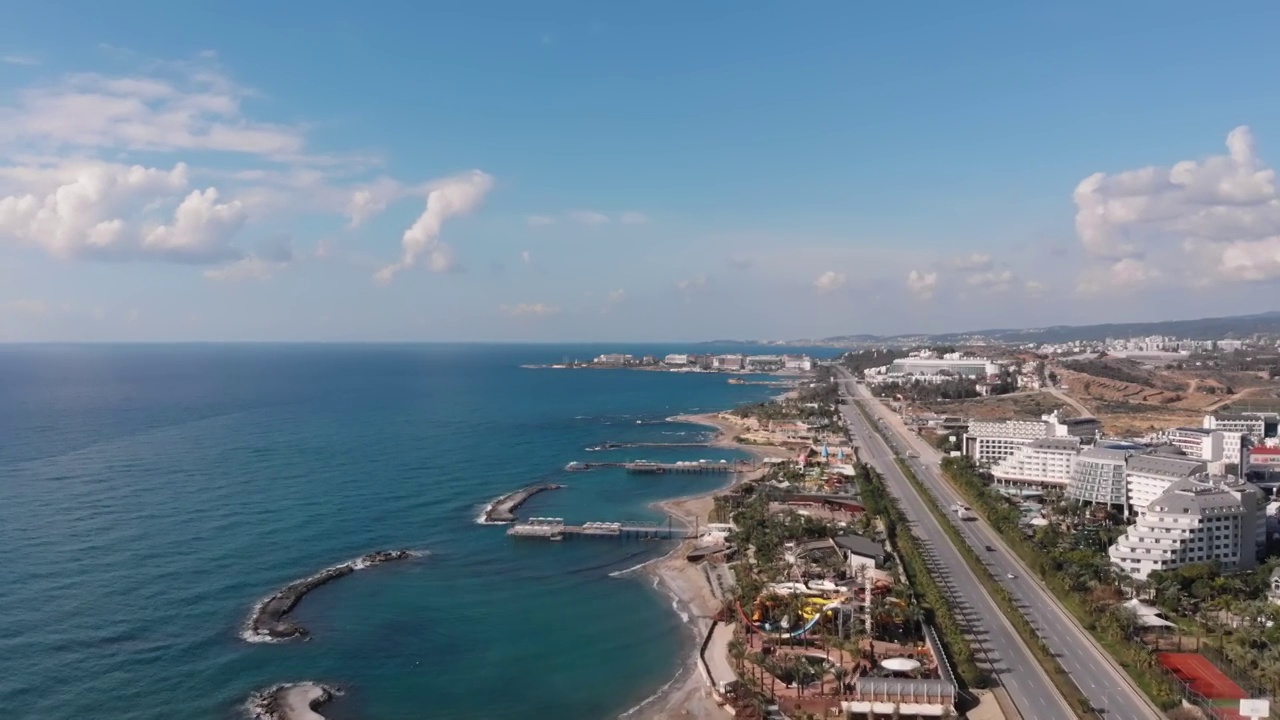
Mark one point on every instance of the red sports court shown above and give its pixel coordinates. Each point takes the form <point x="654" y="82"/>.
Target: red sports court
<point x="1203" y="677"/>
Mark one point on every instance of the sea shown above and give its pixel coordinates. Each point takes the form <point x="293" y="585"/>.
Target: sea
<point x="150" y="495"/>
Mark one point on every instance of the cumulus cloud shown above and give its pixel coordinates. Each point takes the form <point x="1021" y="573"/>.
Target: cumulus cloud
<point x="450" y="197"/>
<point x="528" y="310"/>
<point x="922" y="285"/>
<point x="539" y="220"/>
<point x="18" y="60"/>
<point x="370" y="200"/>
<point x="96" y="208"/>
<point x="201" y="229"/>
<point x="588" y="217"/>
<point x="1221" y="213"/>
<point x="631" y="217"/>
<point x="972" y="262"/>
<point x="1122" y="276"/>
<point x="991" y="281"/>
<point x="830" y="281"/>
<point x="1033" y="288"/>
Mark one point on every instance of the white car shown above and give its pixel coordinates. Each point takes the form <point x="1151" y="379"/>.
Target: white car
<point x="1011" y="576"/>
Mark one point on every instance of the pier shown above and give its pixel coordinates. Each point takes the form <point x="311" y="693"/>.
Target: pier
<point x="556" y="529"/>
<point x="655" y="468"/>
<point x="620" y="445"/>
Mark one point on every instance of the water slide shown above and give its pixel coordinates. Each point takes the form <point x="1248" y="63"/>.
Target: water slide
<point x="802" y="629"/>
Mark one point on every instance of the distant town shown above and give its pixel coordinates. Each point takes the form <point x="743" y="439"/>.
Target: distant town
<point x="690" y="362"/>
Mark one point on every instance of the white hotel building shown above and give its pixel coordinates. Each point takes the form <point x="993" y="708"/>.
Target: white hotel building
<point x="1147" y="477"/>
<point x="1208" y="445"/>
<point x="991" y="442"/>
<point x="1098" y="476"/>
<point x="1218" y="519"/>
<point x="1043" y="463"/>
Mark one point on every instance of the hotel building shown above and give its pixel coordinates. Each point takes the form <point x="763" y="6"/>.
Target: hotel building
<point x="1215" y="519"/>
<point x="991" y="442"/>
<point x="1043" y="463"/>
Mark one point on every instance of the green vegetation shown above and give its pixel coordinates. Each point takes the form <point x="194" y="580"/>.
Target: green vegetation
<point x="933" y="601"/>
<point x="1075" y="572"/>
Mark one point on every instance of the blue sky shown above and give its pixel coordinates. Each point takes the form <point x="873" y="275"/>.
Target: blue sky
<point x="590" y="171"/>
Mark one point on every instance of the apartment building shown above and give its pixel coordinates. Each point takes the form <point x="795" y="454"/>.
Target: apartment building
<point x="727" y="362"/>
<point x="991" y="442"/>
<point x="1208" y="445"/>
<point x="1043" y="463"/>
<point x="1098" y="476"/>
<point x="676" y="359"/>
<point x="1149" y="476"/>
<point x="1217" y="519"/>
<point x="1254" y="426"/>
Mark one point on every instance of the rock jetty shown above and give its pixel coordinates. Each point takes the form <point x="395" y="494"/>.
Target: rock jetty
<point x="503" y="510"/>
<point x="291" y="701"/>
<point x="268" y="623"/>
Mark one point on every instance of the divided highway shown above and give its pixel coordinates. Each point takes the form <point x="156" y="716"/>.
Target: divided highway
<point x="1100" y="680"/>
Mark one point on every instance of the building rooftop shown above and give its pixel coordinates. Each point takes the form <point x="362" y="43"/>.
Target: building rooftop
<point x="1193" y="496"/>
<point x="1080" y="421"/>
<point x="859" y="545"/>
<point x="1056" y="443"/>
<point x="1237" y="417"/>
<point x="1106" y="454"/>
<point x="1165" y="466"/>
<point x="1195" y="430"/>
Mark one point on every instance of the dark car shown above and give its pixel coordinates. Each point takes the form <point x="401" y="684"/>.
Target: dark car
<point x="990" y="549"/>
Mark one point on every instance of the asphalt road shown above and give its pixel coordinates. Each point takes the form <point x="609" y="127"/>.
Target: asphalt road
<point x="1099" y="679"/>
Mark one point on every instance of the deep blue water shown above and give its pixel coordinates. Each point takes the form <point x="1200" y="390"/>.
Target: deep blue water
<point x="150" y="495"/>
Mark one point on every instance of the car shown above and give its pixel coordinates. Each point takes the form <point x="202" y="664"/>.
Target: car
<point x="990" y="549"/>
<point x="1011" y="576"/>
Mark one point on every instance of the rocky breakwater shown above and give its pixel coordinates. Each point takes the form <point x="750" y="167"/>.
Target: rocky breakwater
<point x="292" y="701"/>
<point x="267" y="622"/>
<point x="503" y="510"/>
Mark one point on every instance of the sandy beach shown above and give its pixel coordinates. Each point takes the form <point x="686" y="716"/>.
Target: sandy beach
<point x="688" y="695"/>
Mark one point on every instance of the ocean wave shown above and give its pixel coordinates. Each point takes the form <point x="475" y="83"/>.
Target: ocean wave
<point x="635" y="568"/>
<point x="265" y="704"/>
<point x="656" y="695"/>
<point x="481" y="519"/>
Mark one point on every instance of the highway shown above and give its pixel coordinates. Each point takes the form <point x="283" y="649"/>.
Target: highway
<point x="1103" y="682"/>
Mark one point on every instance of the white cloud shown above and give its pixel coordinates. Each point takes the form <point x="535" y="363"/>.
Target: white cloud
<point x="526" y="257"/>
<point x="95" y="208"/>
<point x="616" y="296"/>
<point x="1220" y="213"/>
<point x="185" y="107"/>
<point x="201" y="230"/>
<point x="830" y="281"/>
<point x="991" y="281"/>
<point x="1122" y="276"/>
<point x="1033" y="288"/>
<point x="528" y="310"/>
<point x="370" y="200"/>
<point x="922" y="285"/>
<point x="18" y="60"/>
<point x="972" y="262"/>
<point x="692" y="284"/>
<point x="249" y="267"/>
<point x="588" y="217"/>
<point x="457" y="195"/>
<point x="631" y="217"/>
<point x="540" y="220"/>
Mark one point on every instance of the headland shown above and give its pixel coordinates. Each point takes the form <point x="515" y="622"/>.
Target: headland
<point x="267" y="621"/>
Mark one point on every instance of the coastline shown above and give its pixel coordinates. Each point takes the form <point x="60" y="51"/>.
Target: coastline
<point x="687" y="694"/>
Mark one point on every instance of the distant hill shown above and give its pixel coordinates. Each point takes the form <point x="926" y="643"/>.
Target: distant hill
<point x="1267" y="323"/>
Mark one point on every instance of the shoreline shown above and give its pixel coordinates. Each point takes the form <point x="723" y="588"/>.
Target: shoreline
<point x="687" y="693"/>
<point x="291" y="701"/>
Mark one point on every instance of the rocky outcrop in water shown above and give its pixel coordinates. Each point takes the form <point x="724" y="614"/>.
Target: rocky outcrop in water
<point x="291" y="701"/>
<point x="503" y="510"/>
<point x="268" y="621"/>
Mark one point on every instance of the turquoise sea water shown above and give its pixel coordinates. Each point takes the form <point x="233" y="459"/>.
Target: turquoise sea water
<point x="150" y="495"/>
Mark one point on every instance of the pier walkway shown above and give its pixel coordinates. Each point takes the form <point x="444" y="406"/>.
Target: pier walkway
<point x="641" y="466"/>
<point x="556" y="529"/>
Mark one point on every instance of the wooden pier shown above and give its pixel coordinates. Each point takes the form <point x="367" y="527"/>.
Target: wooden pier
<point x="556" y="529"/>
<point x="653" y="468"/>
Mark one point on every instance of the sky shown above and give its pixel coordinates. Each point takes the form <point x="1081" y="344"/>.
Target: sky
<point x="575" y="171"/>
